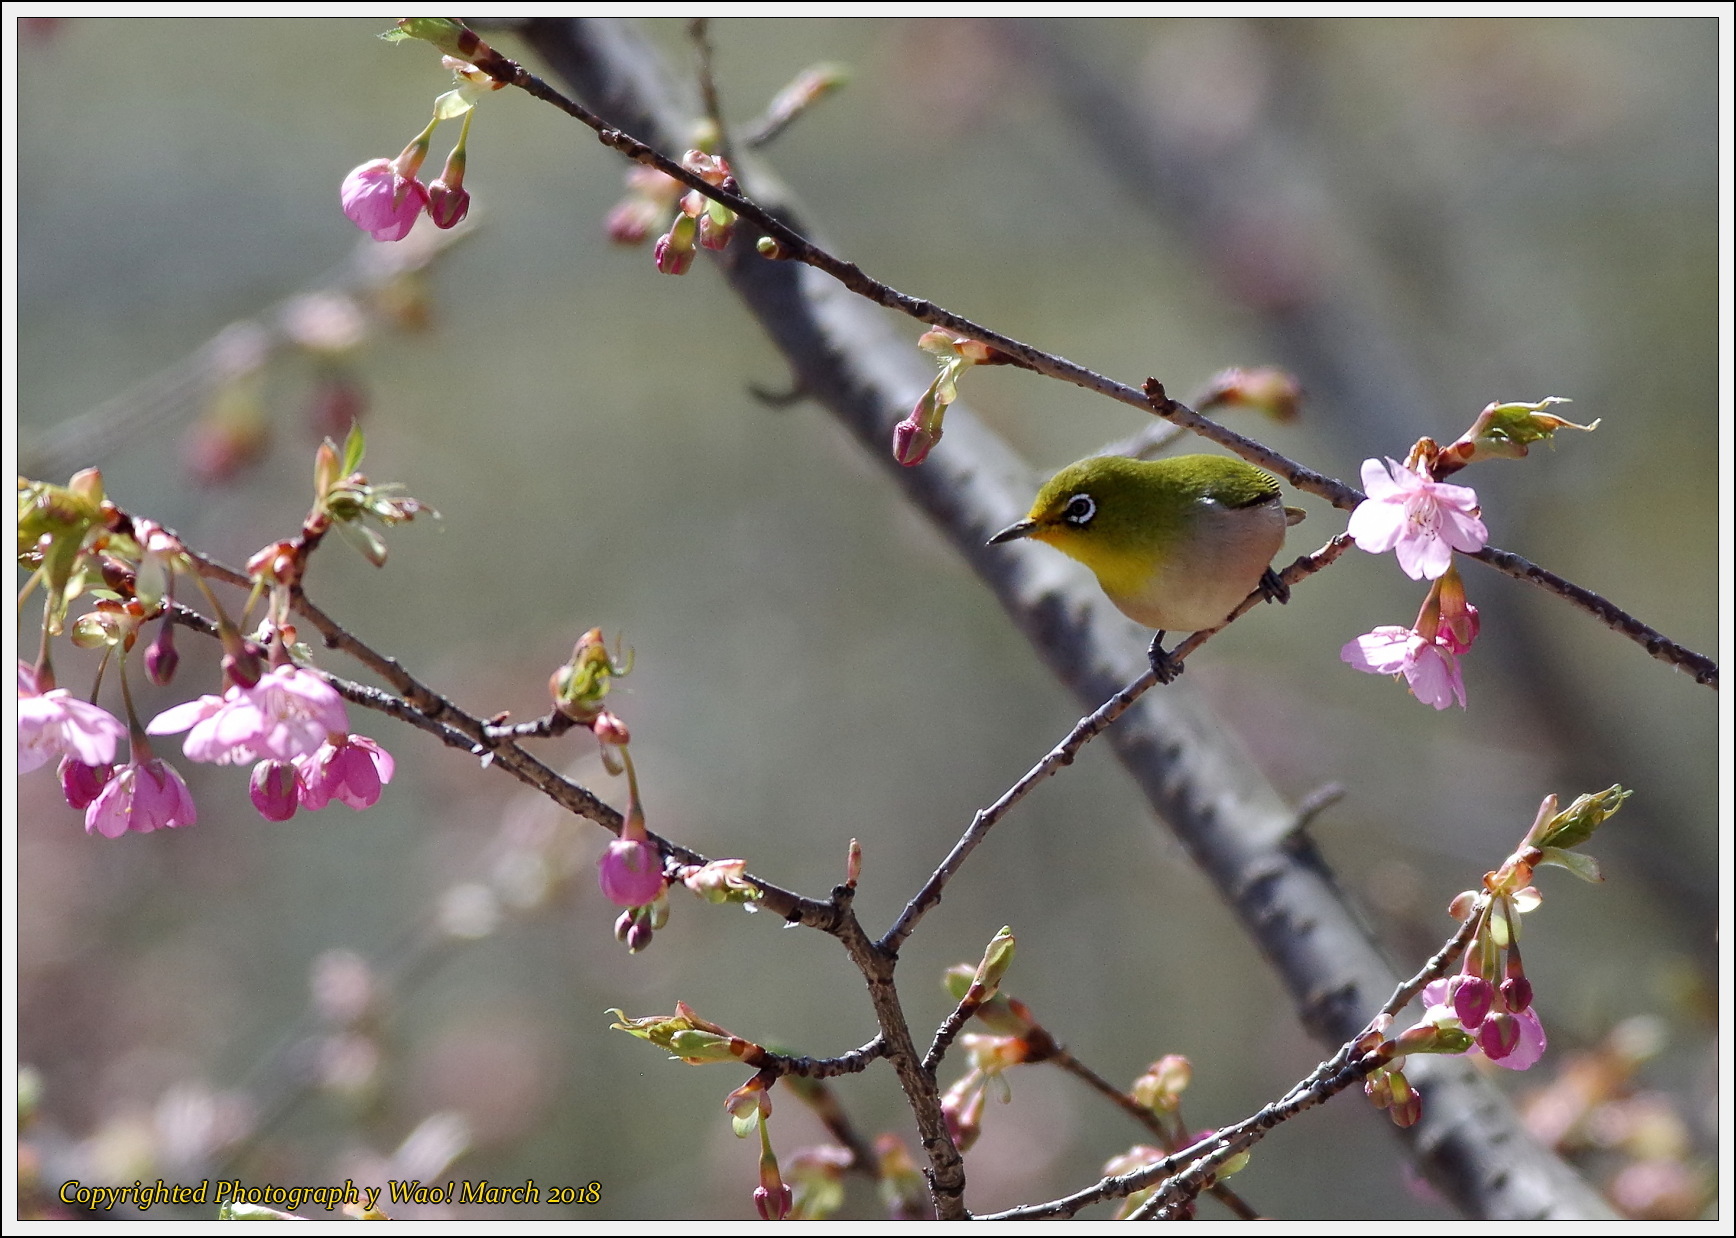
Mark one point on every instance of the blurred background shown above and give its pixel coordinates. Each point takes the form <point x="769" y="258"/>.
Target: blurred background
<point x="1416" y="217"/>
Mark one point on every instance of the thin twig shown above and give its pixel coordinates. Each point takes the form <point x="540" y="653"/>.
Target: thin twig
<point x="949" y="1030"/>
<point x="1146" y="1118"/>
<point x="1661" y="647"/>
<point x="1062" y="754"/>
<point x="1334" y="1075"/>
<point x="422" y="707"/>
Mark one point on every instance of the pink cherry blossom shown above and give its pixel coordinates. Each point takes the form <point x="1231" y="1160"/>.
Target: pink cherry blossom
<point x="381" y="201"/>
<point x="352" y="770"/>
<point x="288" y="713"/>
<point x="1429" y="667"/>
<point x="81" y="783"/>
<point x="1423" y="520"/>
<point x="141" y="797"/>
<point x="56" y="723"/>
<point x="630" y="872"/>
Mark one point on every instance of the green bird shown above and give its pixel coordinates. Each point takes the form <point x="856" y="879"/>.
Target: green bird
<point x="1176" y="543"/>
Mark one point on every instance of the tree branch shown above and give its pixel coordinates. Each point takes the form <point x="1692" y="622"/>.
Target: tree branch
<point x="1469" y="1142"/>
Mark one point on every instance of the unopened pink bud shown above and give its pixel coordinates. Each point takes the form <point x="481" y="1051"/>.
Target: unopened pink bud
<point x="911" y="443"/>
<point x="1498" y="1036"/>
<point x="774" y="1205"/>
<point x="671" y="258"/>
<point x="243" y="671"/>
<point x="161" y="658"/>
<point x="447" y="204"/>
<point x="383" y="197"/>
<point x="630" y="872"/>
<point x="715" y="235"/>
<point x="1406" y="1112"/>
<point x="1473" y="997"/>
<point x="610" y="730"/>
<point x="638" y="937"/>
<point x="1516" y="992"/>
<point x="274" y="790"/>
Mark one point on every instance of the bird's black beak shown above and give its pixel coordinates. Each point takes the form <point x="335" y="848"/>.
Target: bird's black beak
<point x="1020" y="529"/>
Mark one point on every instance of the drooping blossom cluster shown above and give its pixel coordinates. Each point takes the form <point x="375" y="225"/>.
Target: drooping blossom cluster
<point x="140" y="796"/>
<point x="294" y="725"/>
<point x="385" y="197"/>
<point x="701" y="222"/>
<point x="915" y="436"/>
<point x="1487" y="1009"/>
<point x="1423" y="521"/>
<point x="1427" y="654"/>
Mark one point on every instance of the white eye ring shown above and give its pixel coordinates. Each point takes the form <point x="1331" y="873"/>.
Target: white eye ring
<point x="1081" y="509"/>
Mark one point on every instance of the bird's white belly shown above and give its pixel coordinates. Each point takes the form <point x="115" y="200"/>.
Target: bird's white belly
<point x="1198" y="586"/>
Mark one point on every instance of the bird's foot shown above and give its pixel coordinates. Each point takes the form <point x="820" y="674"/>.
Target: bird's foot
<point x="1273" y="588"/>
<point x="1166" y="668"/>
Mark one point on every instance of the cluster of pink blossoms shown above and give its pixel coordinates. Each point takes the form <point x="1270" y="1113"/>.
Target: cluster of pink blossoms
<point x="1508" y="1037"/>
<point x="1423" y="522"/>
<point x="385" y="202"/>
<point x="291" y="722"/>
<point x="384" y="198"/>
<point x="141" y="795"/>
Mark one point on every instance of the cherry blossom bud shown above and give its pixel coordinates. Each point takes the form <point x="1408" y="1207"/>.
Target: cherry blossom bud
<point x="86" y="484"/>
<point x="447" y="204"/>
<point x="242" y="670"/>
<point x="274" y="790"/>
<point x="609" y="729"/>
<point x="773" y="1203"/>
<point x="1406" y="1109"/>
<point x="1498" y="1036"/>
<point x="962" y="1107"/>
<point x="630" y="872"/>
<point x="161" y="658"/>
<point x="1161" y="1086"/>
<point x="1458" y="618"/>
<point x="674" y="251"/>
<point x="714" y="235"/>
<point x="1473" y="998"/>
<point x="911" y="443"/>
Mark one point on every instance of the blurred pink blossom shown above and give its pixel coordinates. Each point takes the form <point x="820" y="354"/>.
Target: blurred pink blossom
<point x="56" y="723"/>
